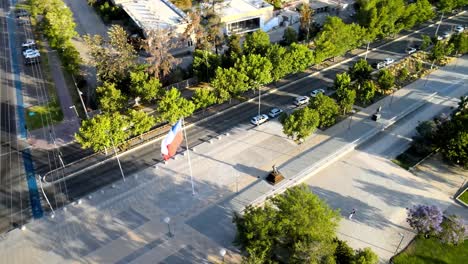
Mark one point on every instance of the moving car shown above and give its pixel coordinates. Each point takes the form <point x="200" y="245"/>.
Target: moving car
<point x="31" y="52"/>
<point x="301" y="100"/>
<point x="410" y="50"/>
<point x="28" y="44"/>
<point x="274" y="112"/>
<point x="259" y="119"/>
<point x="459" y="28"/>
<point x="389" y="61"/>
<point x="314" y="93"/>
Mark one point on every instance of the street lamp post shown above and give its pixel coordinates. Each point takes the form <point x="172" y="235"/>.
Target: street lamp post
<point x="222" y="253"/>
<point x="80" y="94"/>
<point x="438" y="25"/>
<point x="45" y="196"/>
<point x="74" y="108"/>
<point x="118" y="160"/>
<point x="167" y="220"/>
<point x="367" y="50"/>
<point x="401" y="241"/>
<point x="259" y="101"/>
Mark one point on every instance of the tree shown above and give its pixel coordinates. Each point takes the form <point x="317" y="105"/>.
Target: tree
<point x="172" y="106"/>
<point x="203" y="97"/>
<point x="453" y="230"/>
<point x="327" y="109"/>
<point x="289" y="36"/>
<point x="367" y="92"/>
<point x="144" y="86"/>
<point x="234" y="51"/>
<point x="361" y="71"/>
<point x="342" y="81"/>
<point x="365" y="256"/>
<point x="423" y="140"/>
<point x="228" y="83"/>
<point x="113" y="58"/>
<point x="456" y="149"/>
<point x="297" y="224"/>
<point x="305" y="18"/>
<point x="440" y="50"/>
<point x="102" y="131"/>
<point x="256" y="43"/>
<point x="183" y="4"/>
<point x="425" y="219"/>
<point x="426" y="42"/>
<point x="343" y="252"/>
<point x="281" y="59"/>
<point x="110" y="98"/>
<point x="346" y="98"/>
<point x="460" y="43"/>
<point x="140" y="122"/>
<point x="385" y="79"/>
<point x="301" y="57"/>
<point x="301" y="123"/>
<point x="256" y="68"/>
<point x="205" y="64"/>
<point x="194" y="28"/>
<point x="158" y="44"/>
<point x="58" y="25"/>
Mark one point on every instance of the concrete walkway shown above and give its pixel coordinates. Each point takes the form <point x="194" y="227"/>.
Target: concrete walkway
<point x="124" y="223"/>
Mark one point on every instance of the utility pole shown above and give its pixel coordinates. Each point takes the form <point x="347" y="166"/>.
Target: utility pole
<point x="259" y="93"/>
<point x="118" y="160"/>
<point x="440" y="22"/>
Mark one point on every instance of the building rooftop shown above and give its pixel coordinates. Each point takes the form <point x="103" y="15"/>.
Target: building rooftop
<point x="235" y="7"/>
<point x="152" y="14"/>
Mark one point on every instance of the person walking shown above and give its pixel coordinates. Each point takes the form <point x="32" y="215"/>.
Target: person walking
<point x="351" y="214"/>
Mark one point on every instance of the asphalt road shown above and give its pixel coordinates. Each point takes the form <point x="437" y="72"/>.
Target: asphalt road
<point x="108" y="173"/>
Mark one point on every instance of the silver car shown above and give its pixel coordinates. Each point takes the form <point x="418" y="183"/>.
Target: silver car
<point x="274" y="112"/>
<point x="301" y="100"/>
<point x="314" y="93"/>
<point x="259" y="119"/>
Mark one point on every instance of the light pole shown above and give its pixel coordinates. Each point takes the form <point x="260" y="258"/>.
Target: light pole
<point x="438" y="25"/>
<point x="367" y="50"/>
<point x="167" y="220"/>
<point x="401" y="241"/>
<point x="118" y="160"/>
<point x="222" y="253"/>
<point x="259" y="103"/>
<point x="74" y="108"/>
<point x="80" y="94"/>
<point x="45" y="196"/>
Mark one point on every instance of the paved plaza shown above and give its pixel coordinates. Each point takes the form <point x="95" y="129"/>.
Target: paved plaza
<point x="124" y="223"/>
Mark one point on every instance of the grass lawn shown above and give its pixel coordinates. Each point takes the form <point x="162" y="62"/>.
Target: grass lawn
<point x="464" y="196"/>
<point x="428" y="251"/>
<point x="42" y="115"/>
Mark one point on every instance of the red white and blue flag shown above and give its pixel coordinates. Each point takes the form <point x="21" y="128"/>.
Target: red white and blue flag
<point x="172" y="141"/>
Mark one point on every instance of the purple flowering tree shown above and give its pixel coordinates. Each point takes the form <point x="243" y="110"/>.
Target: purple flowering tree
<point x="454" y="230"/>
<point x="425" y="219"/>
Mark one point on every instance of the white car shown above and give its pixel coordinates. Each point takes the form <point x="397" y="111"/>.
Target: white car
<point x="259" y="119"/>
<point x="446" y="35"/>
<point x="301" y="100"/>
<point x="31" y="52"/>
<point x="459" y="28"/>
<point x="28" y="44"/>
<point x="440" y="37"/>
<point x="389" y="61"/>
<point x="274" y="112"/>
<point x="410" y="50"/>
<point x="314" y="93"/>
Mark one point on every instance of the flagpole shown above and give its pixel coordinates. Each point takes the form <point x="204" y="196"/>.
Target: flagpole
<point x="188" y="156"/>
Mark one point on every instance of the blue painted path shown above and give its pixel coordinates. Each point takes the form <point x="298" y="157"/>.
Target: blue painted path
<point x="34" y="197"/>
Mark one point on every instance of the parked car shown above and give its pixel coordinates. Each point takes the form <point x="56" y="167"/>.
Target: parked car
<point x="459" y="28"/>
<point x="379" y="65"/>
<point x="446" y="35"/>
<point x="274" y="112"/>
<point x="259" y="119"/>
<point x="314" y="93"/>
<point x="21" y="13"/>
<point x="301" y="100"/>
<point x="28" y="44"/>
<point x="31" y="52"/>
<point x="388" y="61"/>
<point x="439" y="37"/>
<point x="410" y="50"/>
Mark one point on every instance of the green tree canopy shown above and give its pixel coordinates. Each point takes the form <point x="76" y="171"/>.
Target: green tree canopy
<point x="281" y="59"/>
<point x="301" y="57"/>
<point x="256" y="68"/>
<point x="289" y="36"/>
<point x="342" y="81"/>
<point x="327" y="108"/>
<point x="296" y="226"/>
<point x="367" y="92"/>
<point x="110" y="98"/>
<point x="143" y="85"/>
<point x="203" y="97"/>
<point x="140" y="122"/>
<point x="100" y="131"/>
<point x="385" y="79"/>
<point x="233" y="52"/>
<point x="346" y="98"/>
<point x="205" y="64"/>
<point x="301" y="123"/>
<point x="172" y="106"/>
<point x="228" y="83"/>
<point x="460" y="43"/>
<point x="361" y="71"/>
<point x="256" y="43"/>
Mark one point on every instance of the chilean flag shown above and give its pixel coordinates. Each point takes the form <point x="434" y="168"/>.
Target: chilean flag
<point x="172" y="141"/>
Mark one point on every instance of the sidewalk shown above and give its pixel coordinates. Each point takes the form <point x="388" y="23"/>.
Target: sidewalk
<point x="124" y="223"/>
